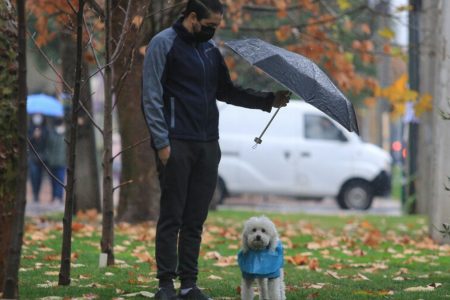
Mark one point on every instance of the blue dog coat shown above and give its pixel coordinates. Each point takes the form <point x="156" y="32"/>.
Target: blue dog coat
<point x="261" y="263"/>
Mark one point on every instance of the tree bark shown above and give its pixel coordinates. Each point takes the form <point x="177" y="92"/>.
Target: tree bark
<point x="107" y="242"/>
<point x="139" y="200"/>
<point x="428" y="76"/>
<point x="64" y="274"/>
<point x="439" y="198"/>
<point x="87" y="190"/>
<point x="13" y="156"/>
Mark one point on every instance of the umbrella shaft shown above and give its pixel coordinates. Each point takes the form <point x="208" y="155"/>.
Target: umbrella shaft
<point x="273" y="117"/>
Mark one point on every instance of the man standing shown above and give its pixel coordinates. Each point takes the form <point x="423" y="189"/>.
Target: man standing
<point x="184" y="73"/>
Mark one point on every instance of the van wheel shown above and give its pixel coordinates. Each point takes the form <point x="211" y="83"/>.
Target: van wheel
<point x="356" y="194"/>
<point x="219" y="194"/>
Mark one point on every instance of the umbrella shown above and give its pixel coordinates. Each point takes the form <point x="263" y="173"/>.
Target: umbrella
<point x="300" y="75"/>
<point x="44" y="104"/>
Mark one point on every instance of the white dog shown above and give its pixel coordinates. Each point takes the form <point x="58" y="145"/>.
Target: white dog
<point x="261" y="258"/>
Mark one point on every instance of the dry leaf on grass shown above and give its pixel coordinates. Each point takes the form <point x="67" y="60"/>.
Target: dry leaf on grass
<point x="226" y="261"/>
<point x="144" y="294"/>
<point x="52" y="273"/>
<point x="47" y="284"/>
<point x="214" y="277"/>
<point x="429" y="288"/>
<point x="334" y="274"/>
<point x="212" y="255"/>
<point x="313" y="285"/>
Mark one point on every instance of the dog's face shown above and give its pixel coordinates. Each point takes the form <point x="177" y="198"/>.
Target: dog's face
<point x="259" y="233"/>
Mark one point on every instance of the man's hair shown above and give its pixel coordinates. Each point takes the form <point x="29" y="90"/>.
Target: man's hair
<point x="203" y="8"/>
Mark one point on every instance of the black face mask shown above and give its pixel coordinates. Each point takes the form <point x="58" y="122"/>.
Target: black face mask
<point x="205" y="34"/>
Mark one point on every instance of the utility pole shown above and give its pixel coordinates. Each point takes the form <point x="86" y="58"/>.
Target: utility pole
<point x="409" y="188"/>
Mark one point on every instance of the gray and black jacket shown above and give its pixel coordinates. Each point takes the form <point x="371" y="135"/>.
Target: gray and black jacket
<point x="181" y="81"/>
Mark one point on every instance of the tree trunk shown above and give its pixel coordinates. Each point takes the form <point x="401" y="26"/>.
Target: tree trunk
<point x="9" y="136"/>
<point x="64" y="274"/>
<point x="428" y="76"/>
<point x="87" y="190"/>
<point x="107" y="242"/>
<point x="440" y="196"/>
<point x="139" y="200"/>
<point x="11" y="287"/>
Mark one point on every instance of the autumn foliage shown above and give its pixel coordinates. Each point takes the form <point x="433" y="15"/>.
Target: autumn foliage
<point x="341" y="36"/>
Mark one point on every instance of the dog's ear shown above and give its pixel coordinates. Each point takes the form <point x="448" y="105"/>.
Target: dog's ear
<point x="244" y="240"/>
<point x="273" y="236"/>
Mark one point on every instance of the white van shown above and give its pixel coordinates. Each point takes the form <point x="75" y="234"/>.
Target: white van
<point x="304" y="154"/>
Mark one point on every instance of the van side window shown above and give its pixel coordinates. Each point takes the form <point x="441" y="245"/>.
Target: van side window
<point x="321" y="128"/>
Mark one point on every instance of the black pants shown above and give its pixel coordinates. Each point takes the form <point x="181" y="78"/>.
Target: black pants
<point x="187" y="183"/>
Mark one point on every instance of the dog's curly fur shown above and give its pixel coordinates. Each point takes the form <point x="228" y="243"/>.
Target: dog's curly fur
<point x="260" y="233"/>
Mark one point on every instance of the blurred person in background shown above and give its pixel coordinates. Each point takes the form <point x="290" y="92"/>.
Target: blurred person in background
<point x="37" y="134"/>
<point x="56" y="158"/>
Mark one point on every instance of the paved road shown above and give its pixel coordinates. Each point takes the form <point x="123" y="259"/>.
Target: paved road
<point x="381" y="206"/>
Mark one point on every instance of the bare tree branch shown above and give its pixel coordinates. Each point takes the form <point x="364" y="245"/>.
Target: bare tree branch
<point x="125" y="28"/>
<point x="123" y="184"/>
<point x="96" y="8"/>
<point x="66" y="84"/>
<point x="131" y="147"/>
<point x="94" y="53"/>
<point x="71" y="6"/>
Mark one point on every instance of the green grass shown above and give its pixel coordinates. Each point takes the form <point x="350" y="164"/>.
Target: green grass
<point x="403" y="243"/>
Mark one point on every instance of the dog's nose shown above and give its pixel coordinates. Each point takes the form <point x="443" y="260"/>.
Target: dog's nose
<point x="258" y="237"/>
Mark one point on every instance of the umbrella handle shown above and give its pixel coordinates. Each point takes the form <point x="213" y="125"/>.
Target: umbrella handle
<point x="258" y="140"/>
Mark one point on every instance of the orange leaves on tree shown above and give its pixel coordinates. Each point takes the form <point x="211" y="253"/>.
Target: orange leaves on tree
<point x="365" y="28"/>
<point x="398" y="94"/>
<point x="344" y="4"/>
<point x="386" y="33"/>
<point x="43" y="10"/>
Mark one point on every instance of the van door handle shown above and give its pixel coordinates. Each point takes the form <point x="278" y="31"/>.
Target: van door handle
<point x="287" y="154"/>
<point x="305" y="154"/>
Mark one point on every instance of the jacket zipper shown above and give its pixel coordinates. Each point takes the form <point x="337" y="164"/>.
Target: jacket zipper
<point x="172" y="110"/>
<point x="204" y="88"/>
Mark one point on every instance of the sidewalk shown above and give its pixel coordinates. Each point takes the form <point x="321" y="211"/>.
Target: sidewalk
<point x="44" y="206"/>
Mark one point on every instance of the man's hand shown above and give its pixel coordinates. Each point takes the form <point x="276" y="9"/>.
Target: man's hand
<point x="164" y="154"/>
<point x="281" y="98"/>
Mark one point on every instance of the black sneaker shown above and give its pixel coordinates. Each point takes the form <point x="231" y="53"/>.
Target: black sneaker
<point x="166" y="294"/>
<point x="194" y="294"/>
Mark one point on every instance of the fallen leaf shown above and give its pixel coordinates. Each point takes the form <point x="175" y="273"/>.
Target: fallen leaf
<point x="297" y="260"/>
<point x="333" y="274"/>
<point x="143" y="294"/>
<point x="429" y="288"/>
<point x="313" y="285"/>
<point x="360" y="276"/>
<point x="313" y="264"/>
<point x="47" y="284"/>
<point x="226" y="261"/>
<point x="52" y="273"/>
<point x="214" y="277"/>
<point x="212" y="255"/>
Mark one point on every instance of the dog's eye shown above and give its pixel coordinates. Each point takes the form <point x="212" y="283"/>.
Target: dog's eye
<point x="263" y="230"/>
<point x="254" y="229"/>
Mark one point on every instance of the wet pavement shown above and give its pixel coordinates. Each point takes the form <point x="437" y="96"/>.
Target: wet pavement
<point x="381" y="206"/>
<point x="328" y="206"/>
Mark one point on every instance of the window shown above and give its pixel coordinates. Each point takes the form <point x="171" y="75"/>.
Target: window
<point x="321" y="128"/>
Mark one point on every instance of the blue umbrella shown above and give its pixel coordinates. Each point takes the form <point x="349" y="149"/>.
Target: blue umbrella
<point x="44" y="104"/>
